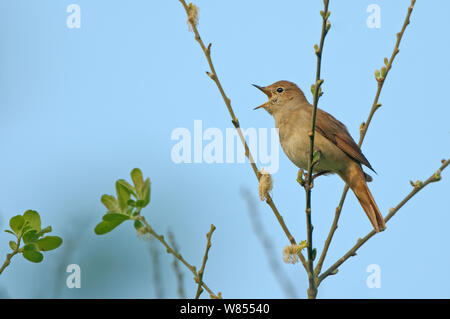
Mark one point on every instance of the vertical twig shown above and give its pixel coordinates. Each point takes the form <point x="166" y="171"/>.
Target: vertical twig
<point x="312" y="290"/>
<point x="363" y="130"/>
<point x="205" y="258"/>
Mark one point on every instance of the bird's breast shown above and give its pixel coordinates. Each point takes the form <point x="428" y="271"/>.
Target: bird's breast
<point x="296" y="145"/>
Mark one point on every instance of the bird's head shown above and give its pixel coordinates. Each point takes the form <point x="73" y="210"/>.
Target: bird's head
<point x="280" y="94"/>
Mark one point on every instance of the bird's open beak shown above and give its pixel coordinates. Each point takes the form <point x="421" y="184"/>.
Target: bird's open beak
<point x="258" y="107"/>
<point x="263" y="89"/>
<point x="266" y="92"/>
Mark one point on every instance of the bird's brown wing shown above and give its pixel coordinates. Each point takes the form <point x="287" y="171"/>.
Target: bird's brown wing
<point x="337" y="133"/>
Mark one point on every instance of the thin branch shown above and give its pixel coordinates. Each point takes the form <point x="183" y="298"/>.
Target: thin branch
<point x="363" y="130"/>
<point x="9" y="256"/>
<point x="213" y="75"/>
<point x="176" y="267"/>
<point x="205" y="258"/>
<point x="418" y="186"/>
<point x="177" y="255"/>
<point x="312" y="290"/>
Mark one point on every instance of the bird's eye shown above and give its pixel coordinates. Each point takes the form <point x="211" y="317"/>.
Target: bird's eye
<point x="279" y="90"/>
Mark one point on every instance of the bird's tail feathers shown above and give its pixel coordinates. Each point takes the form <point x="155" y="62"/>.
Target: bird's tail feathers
<point x="357" y="183"/>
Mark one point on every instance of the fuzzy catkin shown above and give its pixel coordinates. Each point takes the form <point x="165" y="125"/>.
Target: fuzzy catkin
<point x="265" y="184"/>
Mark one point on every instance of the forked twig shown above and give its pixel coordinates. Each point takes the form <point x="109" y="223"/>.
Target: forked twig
<point x="171" y="250"/>
<point x="363" y="130"/>
<point x="205" y="258"/>
<point x="417" y="188"/>
<point x="192" y="21"/>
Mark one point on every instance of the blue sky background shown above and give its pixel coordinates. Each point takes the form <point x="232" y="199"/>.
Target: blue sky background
<point x="79" y="108"/>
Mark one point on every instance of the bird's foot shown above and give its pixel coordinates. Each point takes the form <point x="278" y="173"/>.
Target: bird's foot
<point x="302" y="177"/>
<point x="320" y="174"/>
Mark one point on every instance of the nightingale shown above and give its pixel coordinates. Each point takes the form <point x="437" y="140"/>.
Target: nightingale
<point x="339" y="154"/>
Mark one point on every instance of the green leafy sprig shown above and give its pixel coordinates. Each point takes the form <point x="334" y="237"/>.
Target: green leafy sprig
<point x="30" y="239"/>
<point x="127" y="205"/>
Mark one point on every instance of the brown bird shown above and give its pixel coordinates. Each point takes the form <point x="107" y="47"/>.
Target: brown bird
<point x="339" y="153"/>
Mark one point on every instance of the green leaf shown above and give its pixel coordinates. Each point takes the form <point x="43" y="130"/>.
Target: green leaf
<point x="300" y="179"/>
<point x="110" y="203"/>
<point x="13" y="245"/>
<point x="33" y="219"/>
<point x="16" y="223"/>
<point x="49" y="243"/>
<point x="123" y="196"/>
<point x="106" y="226"/>
<point x="30" y="236"/>
<point x="45" y="230"/>
<point x="31" y="253"/>
<point x="146" y="192"/>
<point x="114" y="217"/>
<point x="314" y="253"/>
<point x="313" y="89"/>
<point x="383" y="72"/>
<point x="138" y="181"/>
<point x="140" y="203"/>
<point x="26" y="228"/>
<point x="10" y="232"/>
<point x="131" y="203"/>
<point x="127" y="186"/>
<point x="377" y="74"/>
